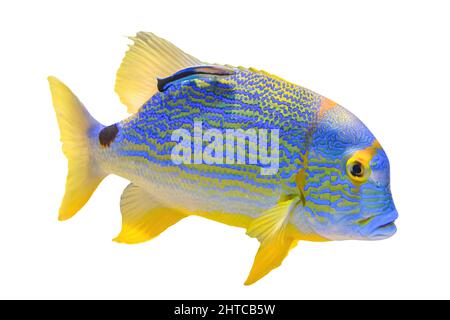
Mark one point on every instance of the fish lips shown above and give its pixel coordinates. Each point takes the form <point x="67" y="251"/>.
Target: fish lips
<point x="381" y="226"/>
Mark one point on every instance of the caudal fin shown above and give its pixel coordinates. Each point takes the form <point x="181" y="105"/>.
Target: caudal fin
<point x="75" y="124"/>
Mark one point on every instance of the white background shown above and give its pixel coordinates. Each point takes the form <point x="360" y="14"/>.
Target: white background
<point x="387" y="62"/>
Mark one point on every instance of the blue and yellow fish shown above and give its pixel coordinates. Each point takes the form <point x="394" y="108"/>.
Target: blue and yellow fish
<point x="329" y="177"/>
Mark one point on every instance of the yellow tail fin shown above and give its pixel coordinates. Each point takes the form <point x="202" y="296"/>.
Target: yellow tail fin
<point x="75" y="124"/>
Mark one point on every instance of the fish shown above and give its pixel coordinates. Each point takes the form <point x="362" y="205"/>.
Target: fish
<point x="235" y="145"/>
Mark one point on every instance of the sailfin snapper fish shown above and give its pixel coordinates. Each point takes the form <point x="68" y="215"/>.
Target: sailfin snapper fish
<point x="330" y="178"/>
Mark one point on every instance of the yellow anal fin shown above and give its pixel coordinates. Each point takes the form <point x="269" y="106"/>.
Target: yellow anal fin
<point x="270" y="255"/>
<point x="271" y="229"/>
<point x="143" y="218"/>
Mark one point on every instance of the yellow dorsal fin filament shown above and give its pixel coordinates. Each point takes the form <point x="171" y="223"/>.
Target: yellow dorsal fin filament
<point x="147" y="59"/>
<point x="143" y="218"/>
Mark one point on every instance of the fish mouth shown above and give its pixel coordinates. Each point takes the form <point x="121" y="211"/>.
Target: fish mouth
<point x="386" y="225"/>
<point x="381" y="226"/>
<point x="383" y="232"/>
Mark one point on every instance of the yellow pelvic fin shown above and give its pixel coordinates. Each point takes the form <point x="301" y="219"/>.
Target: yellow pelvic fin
<point x="75" y="123"/>
<point x="148" y="58"/>
<point x="142" y="217"/>
<point x="271" y="230"/>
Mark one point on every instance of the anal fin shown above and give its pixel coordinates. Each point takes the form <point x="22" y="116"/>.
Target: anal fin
<point x="143" y="218"/>
<point x="271" y="229"/>
<point x="270" y="255"/>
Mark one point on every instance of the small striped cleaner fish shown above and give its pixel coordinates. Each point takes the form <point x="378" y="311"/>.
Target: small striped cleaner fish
<point x="235" y="145"/>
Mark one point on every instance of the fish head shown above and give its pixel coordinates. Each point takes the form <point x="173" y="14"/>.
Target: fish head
<point x="347" y="186"/>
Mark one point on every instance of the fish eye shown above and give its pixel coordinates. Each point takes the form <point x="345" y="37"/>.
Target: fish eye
<point x="357" y="170"/>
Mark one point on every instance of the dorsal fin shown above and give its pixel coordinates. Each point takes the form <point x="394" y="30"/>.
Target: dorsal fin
<point x="148" y="58"/>
<point x="164" y="83"/>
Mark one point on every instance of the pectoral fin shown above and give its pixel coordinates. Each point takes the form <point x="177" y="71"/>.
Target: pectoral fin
<point x="143" y="218"/>
<point x="271" y="230"/>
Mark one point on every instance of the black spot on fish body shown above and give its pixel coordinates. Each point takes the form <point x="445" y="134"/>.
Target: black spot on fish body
<point x="107" y="135"/>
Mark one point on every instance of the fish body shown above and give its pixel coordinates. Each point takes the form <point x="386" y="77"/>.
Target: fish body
<point x="142" y="149"/>
<point x="235" y="145"/>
